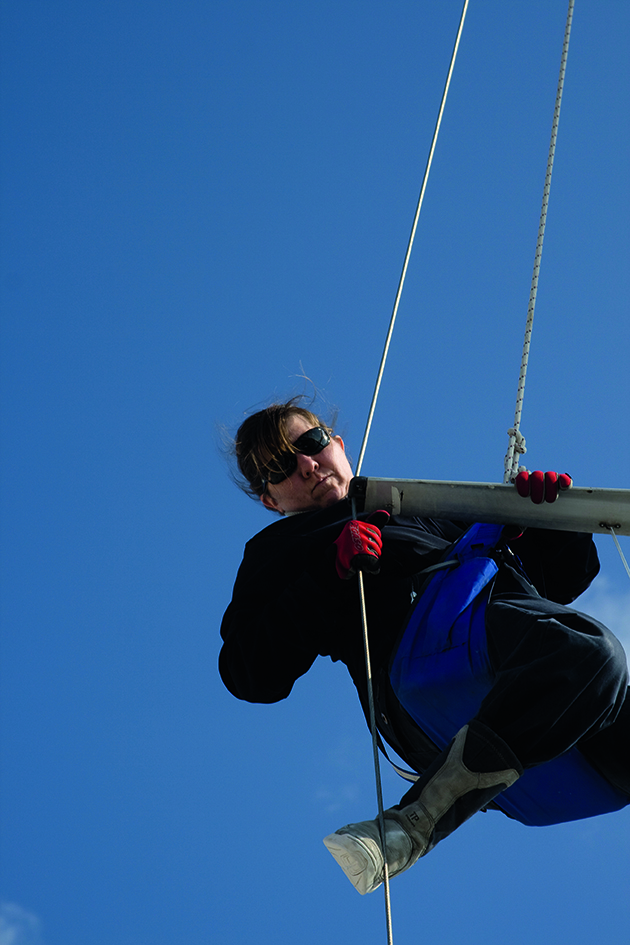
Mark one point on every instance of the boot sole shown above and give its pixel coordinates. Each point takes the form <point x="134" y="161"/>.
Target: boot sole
<point x="358" y="861"/>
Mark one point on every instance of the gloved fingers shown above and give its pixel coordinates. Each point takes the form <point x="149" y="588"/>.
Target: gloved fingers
<point x="551" y="487"/>
<point x="541" y="487"/>
<point x="371" y="540"/>
<point x="379" y="518"/>
<point x="565" y="482"/>
<point x="522" y="483"/>
<point x="537" y="487"/>
<point x="371" y="528"/>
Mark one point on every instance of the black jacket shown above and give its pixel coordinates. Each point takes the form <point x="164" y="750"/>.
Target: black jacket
<point x="289" y="606"/>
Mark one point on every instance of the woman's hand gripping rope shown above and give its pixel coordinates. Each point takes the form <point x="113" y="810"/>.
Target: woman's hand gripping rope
<point x="359" y="545"/>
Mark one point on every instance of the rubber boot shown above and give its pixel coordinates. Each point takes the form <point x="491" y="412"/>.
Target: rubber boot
<point x="466" y="776"/>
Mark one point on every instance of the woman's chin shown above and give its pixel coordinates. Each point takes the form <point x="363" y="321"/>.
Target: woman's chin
<point x="330" y="494"/>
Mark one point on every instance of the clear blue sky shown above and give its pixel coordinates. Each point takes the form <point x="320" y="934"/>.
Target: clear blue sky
<point x="202" y="202"/>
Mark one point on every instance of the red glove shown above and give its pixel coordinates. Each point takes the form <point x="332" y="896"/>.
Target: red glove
<point x="359" y="546"/>
<point x="542" y="487"/>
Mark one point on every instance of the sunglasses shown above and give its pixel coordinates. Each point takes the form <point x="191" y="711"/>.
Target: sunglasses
<point x="309" y="444"/>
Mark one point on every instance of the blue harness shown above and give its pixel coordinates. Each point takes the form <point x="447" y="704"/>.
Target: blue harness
<point x="441" y="672"/>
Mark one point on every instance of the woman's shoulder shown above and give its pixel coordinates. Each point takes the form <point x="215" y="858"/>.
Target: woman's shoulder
<point x="301" y="524"/>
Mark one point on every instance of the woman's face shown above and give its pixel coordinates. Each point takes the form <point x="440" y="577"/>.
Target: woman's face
<point x="318" y="481"/>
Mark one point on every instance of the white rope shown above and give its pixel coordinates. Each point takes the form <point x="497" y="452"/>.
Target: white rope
<point x="516" y="444"/>
<point x="621" y="554"/>
<point x="366" y="645"/>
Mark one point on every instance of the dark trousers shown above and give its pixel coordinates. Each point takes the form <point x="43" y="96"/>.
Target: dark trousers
<point x="561" y="681"/>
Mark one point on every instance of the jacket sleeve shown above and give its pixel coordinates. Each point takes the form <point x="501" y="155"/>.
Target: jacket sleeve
<point x="560" y="565"/>
<point x="266" y="644"/>
<point x="273" y="627"/>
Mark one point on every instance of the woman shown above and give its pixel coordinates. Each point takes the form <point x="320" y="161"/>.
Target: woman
<point x="552" y="680"/>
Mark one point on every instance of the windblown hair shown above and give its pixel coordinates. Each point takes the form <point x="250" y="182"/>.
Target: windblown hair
<point x="262" y="437"/>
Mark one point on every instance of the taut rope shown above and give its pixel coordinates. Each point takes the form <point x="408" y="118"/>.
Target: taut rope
<point x="368" y="669"/>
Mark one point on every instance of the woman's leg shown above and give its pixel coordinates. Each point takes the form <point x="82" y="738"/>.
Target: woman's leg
<point x="561" y="678"/>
